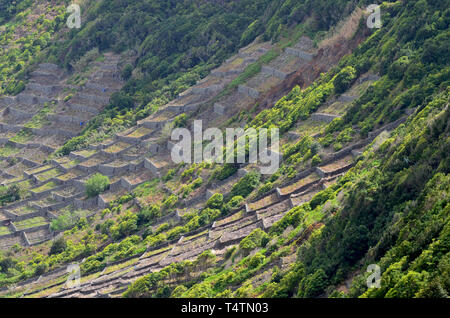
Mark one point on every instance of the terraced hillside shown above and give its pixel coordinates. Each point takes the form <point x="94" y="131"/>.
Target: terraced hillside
<point x="363" y="148"/>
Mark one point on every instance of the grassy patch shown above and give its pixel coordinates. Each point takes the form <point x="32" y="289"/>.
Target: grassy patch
<point x="40" y="119"/>
<point x="48" y="174"/>
<point x="4" y="230"/>
<point x="23" y="136"/>
<point x="39" y="169"/>
<point x="44" y="187"/>
<point x="8" y="150"/>
<point x="141" y="131"/>
<point x="30" y="223"/>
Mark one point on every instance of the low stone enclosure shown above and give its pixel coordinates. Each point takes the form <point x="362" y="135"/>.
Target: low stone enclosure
<point x="300" y="54"/>
<point x="21" y="237"/>
<point x="304" y="49"/>
<point x="43" y="188"/>
<point x="43" y="89"/>
<point x="37" y="131"/>
<point x="16" y="115"/>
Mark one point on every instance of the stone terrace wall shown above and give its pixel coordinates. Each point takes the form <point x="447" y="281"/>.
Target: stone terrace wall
<point x="251" y="92"/>
<point x="327" y="118"/>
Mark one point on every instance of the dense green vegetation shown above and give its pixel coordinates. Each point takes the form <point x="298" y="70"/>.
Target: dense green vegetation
<point x="9" y="8"/>
<point x="23" y="39"/>
<point x="10" y="194"/>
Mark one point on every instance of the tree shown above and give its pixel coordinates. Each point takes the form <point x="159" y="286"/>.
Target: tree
<point x="7" y="263"/>
<point x="257" y="238"/>
<point x="96" y="185"/>
<point x="127" y="72"/>
<point x="313" y="285"/>
<point x="246" y="185"/>
<point x="344" y="79"/>
<point x="148" y="214"/>
<point x="215" y="202"/>
<point x="58" y="246"/>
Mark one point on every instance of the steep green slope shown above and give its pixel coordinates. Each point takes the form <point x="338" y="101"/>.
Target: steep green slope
<point x="9" y="8"/>
<point x="23" y="38"/>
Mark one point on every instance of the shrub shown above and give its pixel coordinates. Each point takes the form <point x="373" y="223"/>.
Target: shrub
<point x="226" y="171"/>
<point x="148" y="214"/>
<point x="175" y="232"/>
<point x="208" y="215"/>
<point x="170" y="202"/>
<point x="234" y="203"/>
<point x="316" y="160"/>
<point x="255" y="261"/>
<point x="197" y="183"/>
<point x="10" y="194"/>
<point x="127" y="72"/>
<point x="246" y="185"/>
<point x="215" y="202"/>
<point x="147" y="232"/>
<point x="257" y="238"/>
<point x="58" y="246"/>
<point x="121" y="101"/>
<point x="344" y="79"/>
<point x="67" y="220"/>
<point x="337" y="146"/>
<point x="398" y="68"/>
<point x="72" y="145"/>
<point x="68" y="97"/>
<point x="7" y="263"/>
<point x="96" y="185"/>
<point x="265" y="188"/>
<point x="41" y="269"/>
<point x="163" y="227"/>
<point x="178" y="291"/>
<point x="126" y="225"/>
<point x="180" y="121"/>
<point x="170" y="174"/>
<point x="313" y="285"/>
